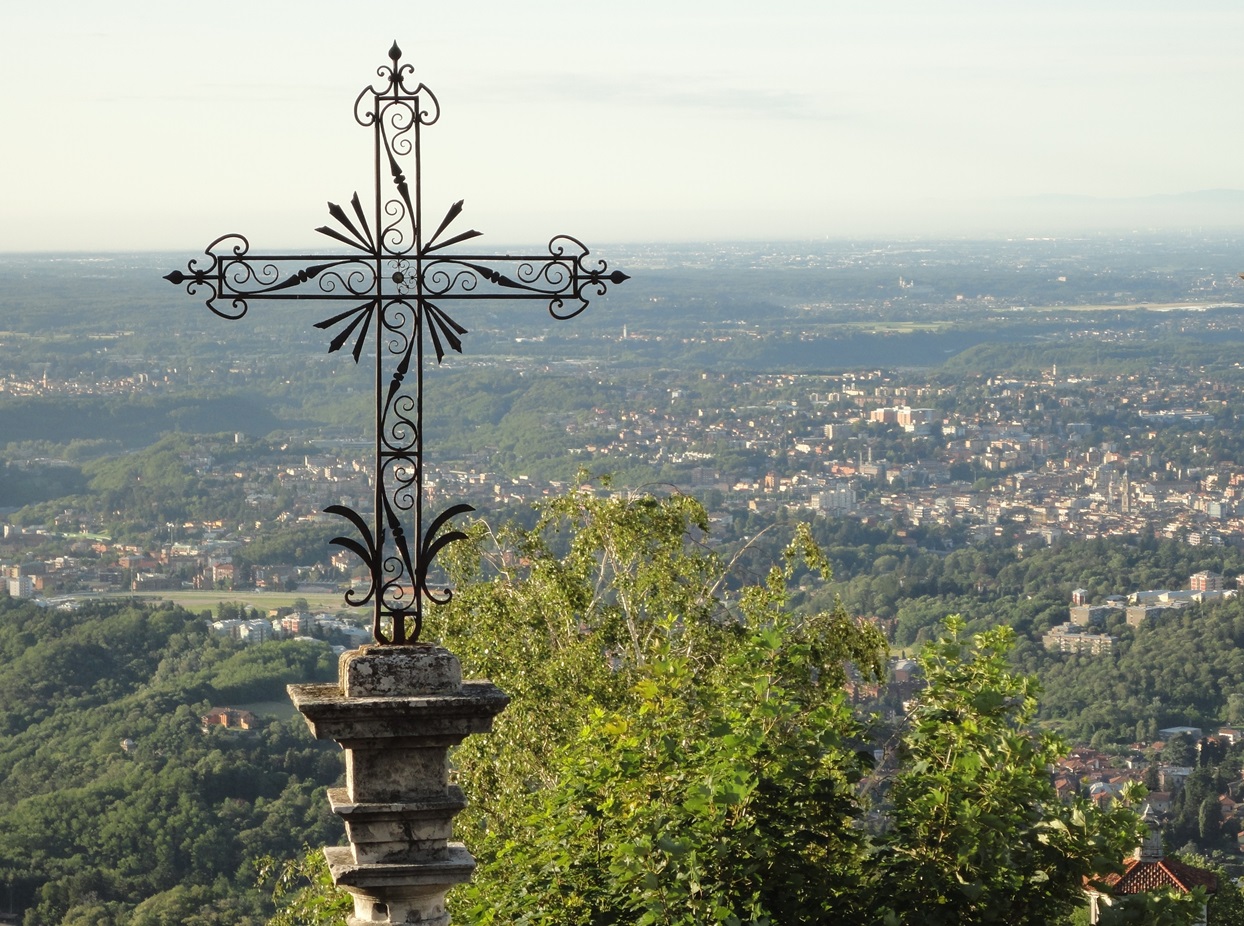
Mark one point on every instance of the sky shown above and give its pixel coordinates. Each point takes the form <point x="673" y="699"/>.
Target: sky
<point x="143" y="125"/>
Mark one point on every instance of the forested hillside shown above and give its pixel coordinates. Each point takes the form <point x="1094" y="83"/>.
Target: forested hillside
<point x="166" y="828"/>
<point x="714" y="768"/>
<point x="1186" y="669"/>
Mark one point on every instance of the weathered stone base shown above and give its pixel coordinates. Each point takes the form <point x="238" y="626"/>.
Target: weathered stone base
<point x="396" y="711"/>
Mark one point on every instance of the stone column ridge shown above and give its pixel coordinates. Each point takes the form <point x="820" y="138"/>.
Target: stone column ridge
<point x="453" y="801"/>
<point x="455" y="868"/>
<point x="410" y="831"/>
<point x="405" y="894"/>
<point x="331" y="715"/>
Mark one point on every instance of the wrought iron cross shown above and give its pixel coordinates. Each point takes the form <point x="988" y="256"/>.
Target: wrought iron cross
<point x="394" y="283"/>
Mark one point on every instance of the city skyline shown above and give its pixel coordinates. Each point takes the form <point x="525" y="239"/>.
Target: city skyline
<point x="148" y="127"/>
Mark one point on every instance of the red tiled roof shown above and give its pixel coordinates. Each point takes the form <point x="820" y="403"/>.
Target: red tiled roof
<point x="1140" y="876"/>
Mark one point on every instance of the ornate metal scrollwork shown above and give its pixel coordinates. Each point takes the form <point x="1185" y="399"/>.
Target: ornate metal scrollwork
<point x="396" y="283"/>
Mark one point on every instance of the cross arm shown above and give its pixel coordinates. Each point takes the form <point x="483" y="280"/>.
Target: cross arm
<point x="564" y="276"/>
<point x="232" y="277"/>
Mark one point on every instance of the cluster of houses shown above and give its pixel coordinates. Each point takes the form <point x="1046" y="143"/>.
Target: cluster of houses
<point x="1149" y="868"/>
<point x="989" y="458"/>
<point x="229" y="718"/>
<point x="832" y="439"/>
<point x="298" y="626"/>
<point x="1140" y="609"/>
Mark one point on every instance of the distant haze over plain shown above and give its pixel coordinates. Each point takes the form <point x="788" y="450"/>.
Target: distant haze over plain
<point x="1053" y="215"/>
<point x="1062" y="214"/>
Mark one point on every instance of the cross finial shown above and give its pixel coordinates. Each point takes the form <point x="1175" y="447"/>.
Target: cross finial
<point x="392" y="292"/>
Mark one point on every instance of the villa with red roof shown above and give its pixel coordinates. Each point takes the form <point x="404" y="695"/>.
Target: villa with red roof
<point x="1149" y="869"/>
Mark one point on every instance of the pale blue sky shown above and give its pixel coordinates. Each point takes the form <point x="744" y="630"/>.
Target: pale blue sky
<point x="143" y="124"/>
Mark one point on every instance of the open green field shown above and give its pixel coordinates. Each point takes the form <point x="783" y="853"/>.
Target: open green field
<point x="892" y="327"/>
<point x="196" y="601"/>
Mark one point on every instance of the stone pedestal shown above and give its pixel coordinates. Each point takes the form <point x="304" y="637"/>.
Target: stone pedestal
<point x="396" y="710"/>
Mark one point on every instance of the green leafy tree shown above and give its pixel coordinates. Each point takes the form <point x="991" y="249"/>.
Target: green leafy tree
<point x="978" y="833"/>
<point x="723" y="793"/>
<point x="620" y="628"/>
<point x="1226" y="905"/>
<point x="1153" y="777"/>
<point x="681" y="750"/>
<point x="303" y="889"/>
<point x="1209" y="821"/>
<point x="1180" y="750"/>
<point x="562" y="616"/>
<point x="1169" y="907"/>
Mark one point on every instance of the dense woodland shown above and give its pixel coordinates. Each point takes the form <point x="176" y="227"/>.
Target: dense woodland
<point x="173" y="828"/>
